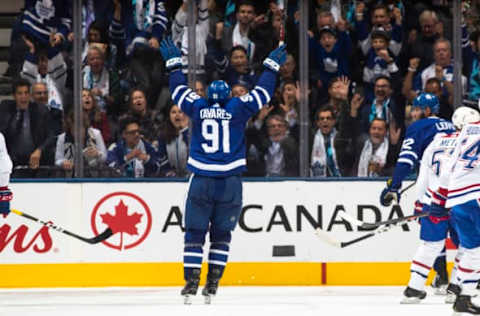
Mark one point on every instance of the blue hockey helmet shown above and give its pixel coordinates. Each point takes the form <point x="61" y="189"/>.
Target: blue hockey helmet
<point x="218" y="91"/>
<point x="424" y="100"/>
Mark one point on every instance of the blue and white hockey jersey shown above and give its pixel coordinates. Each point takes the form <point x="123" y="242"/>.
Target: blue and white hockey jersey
<point x="217" y="147"/>
<point x="418" y="136"/>
<point x="43" y="17"/>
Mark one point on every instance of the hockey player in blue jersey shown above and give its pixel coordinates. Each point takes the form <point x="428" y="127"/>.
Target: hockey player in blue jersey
<point x="417" y="137"/>
<point x="216" y="160"/>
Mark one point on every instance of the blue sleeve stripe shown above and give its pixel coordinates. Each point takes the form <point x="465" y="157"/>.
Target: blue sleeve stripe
<point x="257" y="98"/>
<point x="177" y="90"/>
<point x="409" y="152"/>
<point x="407" y="161"/>
<point x="265" y="92"/>
<point x="184" y="95"/>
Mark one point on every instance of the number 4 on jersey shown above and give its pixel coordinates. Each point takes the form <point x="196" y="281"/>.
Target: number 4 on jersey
<point x="471" y="155"/>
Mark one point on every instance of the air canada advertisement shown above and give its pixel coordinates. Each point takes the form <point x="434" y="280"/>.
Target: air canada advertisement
<point x="277" y="223"/>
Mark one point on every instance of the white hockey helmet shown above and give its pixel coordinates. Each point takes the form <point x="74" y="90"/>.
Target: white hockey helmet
<point x="463" y="116"/>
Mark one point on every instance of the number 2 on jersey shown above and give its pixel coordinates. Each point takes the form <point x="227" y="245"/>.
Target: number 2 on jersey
<point x="211" y="133"/>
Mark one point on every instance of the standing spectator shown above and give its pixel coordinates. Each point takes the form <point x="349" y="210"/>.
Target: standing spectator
<point x="48" y="66"/>
<point x="442" y="69"/>
<point x="103" y="83"/>
<point x="238" y="34"/>
<point x="380" y="19"/>
<point x="180" y="36"/>
<point x="174" y="141"/>
<point x="27" y="129"/>
<point x="131" y="155"/>
<point x="383" y="106"/>
<point x="94" y="150"/>
<point x="330" y="56"/>
<point x="421" y="46"/>
<point x="236" y="69"/>
<point x="380" y="62"/>
<point x="143" y="24"/>
<point x="46" y="22"/>
<point x="288" y="107"/>
<point x="96" y="117"/>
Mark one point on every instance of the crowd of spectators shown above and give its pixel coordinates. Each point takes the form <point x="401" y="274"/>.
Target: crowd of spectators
<point x="367" y="61"/>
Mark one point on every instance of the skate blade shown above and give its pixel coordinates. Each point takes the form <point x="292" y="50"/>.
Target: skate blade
<point x="187" y="299"/>
<point x="208" y="299"/>
<point x="450" y="298"/>
<point x="441" y="290"/>
<point x="410" y="300"/>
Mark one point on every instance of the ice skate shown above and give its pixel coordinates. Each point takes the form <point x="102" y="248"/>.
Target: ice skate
<point x="210" y="289"/>
<point x="412" y="296"/>
<point x="191" y="287"/>
<point x="464" y="306"/>
<point x="452" y="291"/>
<point x="440" y="283"/>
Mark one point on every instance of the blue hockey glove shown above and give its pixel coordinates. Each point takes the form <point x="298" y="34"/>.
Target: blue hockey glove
<point x="171" y="54"/>
<point x="276" y="58"/>
<point x="389" y="195"/>
<point x="5" y="198"/>
<point x="438" y="213"/>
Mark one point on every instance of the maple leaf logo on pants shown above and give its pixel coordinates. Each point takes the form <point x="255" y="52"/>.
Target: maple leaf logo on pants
<point x="121" y="222"/>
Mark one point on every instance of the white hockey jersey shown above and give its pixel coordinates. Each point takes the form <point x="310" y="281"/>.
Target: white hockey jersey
<point x="461" y="182"/>
<point x="434" y="163"/>
<point x="5" y="163"/>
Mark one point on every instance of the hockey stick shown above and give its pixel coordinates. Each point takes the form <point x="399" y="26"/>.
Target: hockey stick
<point x="94" y="240"/>
<point x="342" y="244"/>
<point x="345" y="216"/>
<point x="401" y="220"/>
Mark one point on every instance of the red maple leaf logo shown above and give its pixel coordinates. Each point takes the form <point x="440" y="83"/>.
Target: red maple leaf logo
<point x="121" y="222"/>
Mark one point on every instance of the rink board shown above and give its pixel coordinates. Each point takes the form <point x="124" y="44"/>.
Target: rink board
<point x="274" y="243"/>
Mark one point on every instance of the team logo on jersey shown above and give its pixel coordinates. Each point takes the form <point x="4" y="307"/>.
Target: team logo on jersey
<point x="127" y="215"/>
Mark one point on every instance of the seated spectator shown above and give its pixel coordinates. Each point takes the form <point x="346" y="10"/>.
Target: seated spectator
<point x="97" y="118"/>
<point x="238" y="90"/>
<point x="131" y="155"/>
<point x="49" y="67"/>
<point x="281" y="152"/>
<point x="94" y="150"/>
<point x="200" y="88"/>
<point x="149" y="120"/>
<point x="40" y="96"/>
<point x="434" y="86"/>
<point x="103" y="83"/>
<point x="324" y="159"/>
<point x="288" y="71"/>
<point x="375" y="153"/>
<point x="27" y="130"/>
<point x="288" y="107"/>
<point x="174" y="141"/>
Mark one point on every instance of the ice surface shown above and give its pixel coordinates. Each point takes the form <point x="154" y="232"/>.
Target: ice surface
<point x="237" y="301"/>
